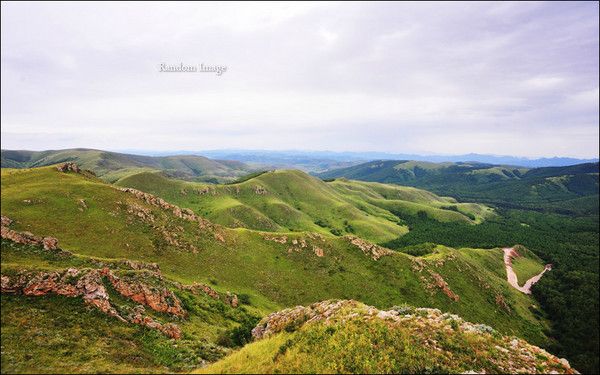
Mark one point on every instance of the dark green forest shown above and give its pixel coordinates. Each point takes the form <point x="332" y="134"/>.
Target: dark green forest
<point x="569" y="293"/>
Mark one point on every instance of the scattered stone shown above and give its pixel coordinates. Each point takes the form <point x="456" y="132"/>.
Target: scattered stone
<point x="370" y="249"/>
<point x="260" y="190"/>
<point x="69" y="167"/>
<point x="82" y="205"/>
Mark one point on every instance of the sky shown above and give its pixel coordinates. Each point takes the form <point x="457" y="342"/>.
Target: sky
<point x="429" y="78"/>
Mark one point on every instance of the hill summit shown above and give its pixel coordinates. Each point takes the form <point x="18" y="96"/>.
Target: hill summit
<point x="346" y="336"/>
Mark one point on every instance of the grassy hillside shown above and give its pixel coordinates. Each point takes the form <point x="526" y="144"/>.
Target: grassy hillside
<point x="274" y="270"/>
<point x="295" y="201"/>
<point x="349" y="337"/>
<point x="502" y="185"/>
<point x="111" y="166"/>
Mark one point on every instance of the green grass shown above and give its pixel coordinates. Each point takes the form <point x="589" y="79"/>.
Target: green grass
<point x="246" y="263"/>
<point x="356" y="343"/>
<point x="60" y="335"/>
<point x="295" y="201"/>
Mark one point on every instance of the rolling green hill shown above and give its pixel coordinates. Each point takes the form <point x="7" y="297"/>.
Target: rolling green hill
<point x="111" y="166"/>
<point x="289" y="200"/>
<point x="349" y="337"/>
<point x="506" y="186"/>
<point x="93" y="219"/>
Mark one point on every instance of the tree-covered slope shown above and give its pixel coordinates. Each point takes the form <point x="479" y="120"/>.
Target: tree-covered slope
<point x="503" y="185"/>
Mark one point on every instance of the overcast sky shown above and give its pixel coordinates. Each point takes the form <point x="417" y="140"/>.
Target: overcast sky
<point x="438" y="78"/>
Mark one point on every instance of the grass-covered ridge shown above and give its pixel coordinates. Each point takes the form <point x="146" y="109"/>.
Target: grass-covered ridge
<point x="349" y="337"/>
<point x="112" y="166"/>
<point x="290" y="200"/>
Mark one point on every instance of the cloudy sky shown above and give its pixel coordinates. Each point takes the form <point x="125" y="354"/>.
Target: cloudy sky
<point x="438" y="78"/>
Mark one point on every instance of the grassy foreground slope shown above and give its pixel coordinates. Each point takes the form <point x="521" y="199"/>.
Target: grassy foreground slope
<point x="291" y="200"/>
<point x="111" y="166"/>
<point x="349" y="337"/>
<point x="275" y="270"/>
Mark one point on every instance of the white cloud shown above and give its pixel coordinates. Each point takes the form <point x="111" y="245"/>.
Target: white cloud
<point x="398" y="77"/>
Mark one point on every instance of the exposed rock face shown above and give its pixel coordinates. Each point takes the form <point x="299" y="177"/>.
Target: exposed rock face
<point x="514" y="355"/>
<point x="5" y="221"/>
<point x="89" y="285"/>
<point x="158" y="299"/>
<point x="49" y="243"/>
<point x="370" y="249"/>
<point x="69" y="167"/>
<point x="142" y="213"/>
<point x="71" y="283"/>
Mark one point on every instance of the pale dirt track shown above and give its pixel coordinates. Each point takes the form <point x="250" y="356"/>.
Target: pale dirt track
<point x="511" y="276"/>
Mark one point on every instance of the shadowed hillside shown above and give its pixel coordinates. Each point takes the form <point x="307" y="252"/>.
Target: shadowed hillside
<point x="548" y="187"/>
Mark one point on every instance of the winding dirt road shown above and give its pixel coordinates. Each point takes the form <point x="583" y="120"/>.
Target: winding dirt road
<point x="511" y="276"/>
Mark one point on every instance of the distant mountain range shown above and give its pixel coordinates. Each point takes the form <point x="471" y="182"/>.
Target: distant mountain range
<point x="319" y="161"/>
<point x="111" y="166"/>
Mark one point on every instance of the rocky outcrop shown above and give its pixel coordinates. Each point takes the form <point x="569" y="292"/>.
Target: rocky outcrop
<point x="259" y="190"/>
<point x="440" y="283"/>
<point x="71" y="283"/>
<point x="143" y="213"/>
<point x="318" y="251"/>
<point x="89" y="285"/>
<point x="371" y="250"/>
<point x="295" y="317"/>
<point x="231" y="299"/>
<point x="69" y="167"/>
<point x="137" y="316"/>
<point x="429" y="328"/>
<point x="49" y="243"/>
<point x="158" y="299"/>
<point x="197" y="288"/>
<point x="274" y="238"/>
<point x="182" y="213"/>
